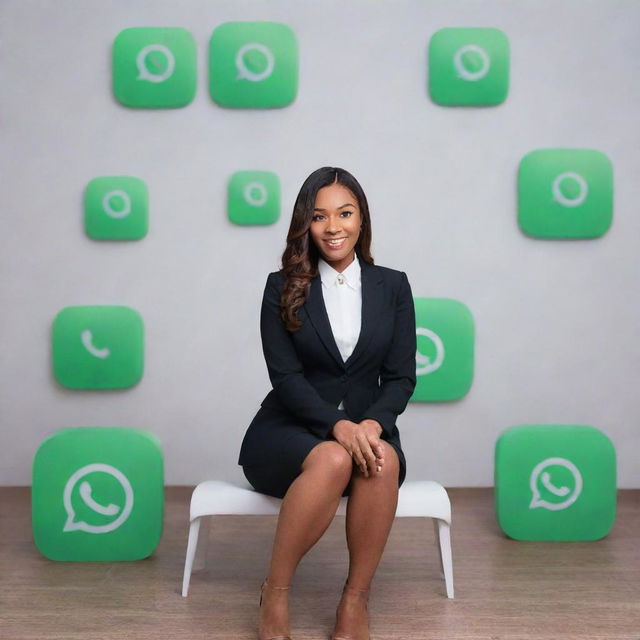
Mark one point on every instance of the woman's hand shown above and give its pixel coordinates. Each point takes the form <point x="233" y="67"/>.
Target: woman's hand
<point x="362" y="441"/>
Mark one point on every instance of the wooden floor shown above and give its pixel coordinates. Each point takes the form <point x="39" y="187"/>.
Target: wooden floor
<point x="504" y="589"/>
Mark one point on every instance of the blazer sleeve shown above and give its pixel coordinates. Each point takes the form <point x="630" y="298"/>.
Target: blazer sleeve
<point x="398" y="373"/>
<point x="286" y="373"/>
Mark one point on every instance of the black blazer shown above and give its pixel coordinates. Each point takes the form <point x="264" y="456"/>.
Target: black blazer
<point x="310" y="378"/>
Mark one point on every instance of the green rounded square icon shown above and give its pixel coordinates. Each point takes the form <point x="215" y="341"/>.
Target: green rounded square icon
<point x="98" y="494"/>
<point x="565" y="193"/>
<point x="154" y="67"/>
<point x="116" y="208"/>
<point x="555" y="482"/>
<point x="445" y="355"/>
<point x="253" y="65"/>
<point x="97" y="347"/>
<point x="253" y="197"/>
<point x="468" y="66"/>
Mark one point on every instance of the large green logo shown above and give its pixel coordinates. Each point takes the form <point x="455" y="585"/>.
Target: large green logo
<point x="116" y="208"/>
<point x="97" y="347"/>
<point x="98" y="494"/>
<point x="253" y="197"/>
<point x="445" y="343"/>
<point x="253" y="64"/>
<point x="154" y="67"/>
<point x="565" y="193"/>
<point x="468" y="66"/>
<point x="555" y="482"/>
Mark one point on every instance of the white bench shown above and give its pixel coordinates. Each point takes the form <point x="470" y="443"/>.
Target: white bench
<point x="423" y="498"/>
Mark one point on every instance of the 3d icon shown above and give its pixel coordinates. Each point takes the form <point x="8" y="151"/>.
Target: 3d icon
<point x="253" y="198"/>
<point x="97" y="347"/>
<point x="445" y="355"/>
<point x="555" y="482"/>
<point x="98" y="494"/>
<point x="253" y="65"/>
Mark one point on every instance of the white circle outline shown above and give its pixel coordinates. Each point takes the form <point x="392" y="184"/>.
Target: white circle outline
<point x="422" y="359"/>
<point x="244" y="72"/>
<point x="106" y="206"/>
<point x="248" y="188"/>
<point x="144" y="73"/>
<point x="560" y="198"/>
<point x="463" y="72"/>
<point x="533" y="484"/>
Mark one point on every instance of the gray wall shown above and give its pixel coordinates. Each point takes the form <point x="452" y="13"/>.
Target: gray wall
<point x="557" y="321"/>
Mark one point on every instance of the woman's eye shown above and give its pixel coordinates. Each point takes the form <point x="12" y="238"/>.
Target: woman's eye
<point x="316" y="217"/>
<point x="348" y="212"/>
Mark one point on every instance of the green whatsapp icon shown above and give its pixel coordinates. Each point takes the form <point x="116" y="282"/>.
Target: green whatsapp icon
<point x="154" y="67"/>
<point x="468" y="66"/>
<point x="253" y="65"/>
<point x="97" y="347"/>
<point x="555" y="482"/>
<point x="116" y="208"/>
<point x="253" y="198"/>
<point x="97" y="494"/>
<point x="445" y="349"/>
<point x="565" y="193"/>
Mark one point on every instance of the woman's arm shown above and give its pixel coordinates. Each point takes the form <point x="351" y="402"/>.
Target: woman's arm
<point x="286" y="373"/>
<point x="398" y="373"/>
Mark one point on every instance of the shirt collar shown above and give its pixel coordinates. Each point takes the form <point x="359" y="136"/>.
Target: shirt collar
<point x="351" y="273"/>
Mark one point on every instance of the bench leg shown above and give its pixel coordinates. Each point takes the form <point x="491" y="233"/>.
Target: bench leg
<point x="443" y="538"/>
<point x="192" y="545"/>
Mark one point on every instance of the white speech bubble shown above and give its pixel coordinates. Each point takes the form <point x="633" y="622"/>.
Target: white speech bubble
<point x="247" y="193"/>
<point x="244" y="72"/>
<point x="423" y="363"/>
<point x="462" y="71"/>
<point x="560" y="198"/>
<point x="539" y="471"/>
<point x="141" y="63"/>
<point x="108" y="209"/>
<point x="85" y="494"/>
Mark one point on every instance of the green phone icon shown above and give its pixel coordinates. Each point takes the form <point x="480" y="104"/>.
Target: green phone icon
<point x="468" y="66"/>
<point x="565" y="193"/>
<point x="154" y="67"/>
<point x="97" y="347"/>
<point x="116" y="208"/>
<point x="555" y="482"/>
<point x="98" y="494"/>
<point x="445" y="349"/>
<point x="253" y="65"/>
<point x="253" y="198"/>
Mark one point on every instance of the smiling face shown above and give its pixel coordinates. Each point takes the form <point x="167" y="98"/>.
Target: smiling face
<point x="335" y="226"/>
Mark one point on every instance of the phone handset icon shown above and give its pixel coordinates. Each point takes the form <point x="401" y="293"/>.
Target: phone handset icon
<point x="87" y="338"/>
<point x="545" y="478"/>
<point x="85" y="494"/>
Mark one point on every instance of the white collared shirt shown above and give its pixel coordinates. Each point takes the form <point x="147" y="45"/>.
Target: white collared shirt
<point x="342" y="293"/>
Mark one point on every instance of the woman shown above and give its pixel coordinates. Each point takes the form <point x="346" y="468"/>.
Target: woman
<point x="339" y="340"/>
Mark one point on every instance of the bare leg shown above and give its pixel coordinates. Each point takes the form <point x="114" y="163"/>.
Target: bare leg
<point x="370" y="512"/>
<point x="306" y="511"/>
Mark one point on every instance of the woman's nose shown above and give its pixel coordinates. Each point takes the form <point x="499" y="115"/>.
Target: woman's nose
<point x="333" y="225"/>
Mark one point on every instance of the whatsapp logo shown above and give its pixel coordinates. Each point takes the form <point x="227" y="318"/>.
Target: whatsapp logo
<point x="154" y="67"/>
<point x="81" y="485"/>
<point x="565" y="193"/>
<point x="253" y="198"/>
<point x="97" y="347"/>
<point x="151" y="60"/>
<point x="444" y="349"/>
<point x="116" y="208"/>
<point x="253" y="65"/>
<point x="426" y="364"/>
<point x="555" y="482"/>
<point x="98" y="494"/>
<point x="555" y="494"/>
<point x="468" y="67"/>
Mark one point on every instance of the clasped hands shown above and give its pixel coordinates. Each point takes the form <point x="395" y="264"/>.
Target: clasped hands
<point x="362" y="441"/>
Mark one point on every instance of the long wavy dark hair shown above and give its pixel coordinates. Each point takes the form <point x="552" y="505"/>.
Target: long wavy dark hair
<point x="300" y="257"/>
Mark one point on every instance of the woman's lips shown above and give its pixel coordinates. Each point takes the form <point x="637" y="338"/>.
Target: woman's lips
<point x="338" y="244"/>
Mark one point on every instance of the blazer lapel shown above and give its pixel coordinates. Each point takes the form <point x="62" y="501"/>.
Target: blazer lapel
<point x="371" y="302"/>
<point x="371" y="306"/>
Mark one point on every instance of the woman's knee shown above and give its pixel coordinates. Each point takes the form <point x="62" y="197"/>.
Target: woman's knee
<point x="330" y="456"/>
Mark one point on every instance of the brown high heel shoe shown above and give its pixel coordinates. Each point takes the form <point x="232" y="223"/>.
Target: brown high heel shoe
<point x="363" y="593"/>
<point x="266" y="584"/>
